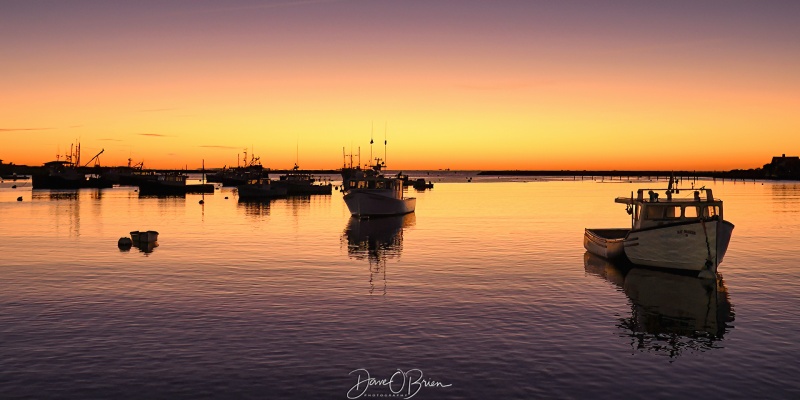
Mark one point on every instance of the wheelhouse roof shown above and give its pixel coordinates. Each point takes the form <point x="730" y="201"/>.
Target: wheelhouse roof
<point x="662" y="199"/>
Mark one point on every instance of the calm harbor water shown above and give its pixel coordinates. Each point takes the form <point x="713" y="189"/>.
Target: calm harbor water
<point x="485" y="291"/>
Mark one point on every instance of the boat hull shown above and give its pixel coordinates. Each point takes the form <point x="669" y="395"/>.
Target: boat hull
<point x="680" y="246"/>
<point x="606" y="243"/>
<point x="58" y="182"/>
<point x="260" y="192"/>
<point x="144" y="236"/>
<point x="157" y="188"/>
<point x="303" y="189"/>
<point x="365" y="204"/>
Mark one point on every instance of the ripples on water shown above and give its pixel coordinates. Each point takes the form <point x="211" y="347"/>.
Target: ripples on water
<point x="486" y="288"/>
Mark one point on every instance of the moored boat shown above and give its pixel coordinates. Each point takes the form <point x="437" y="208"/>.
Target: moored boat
<point x="260" y="188"/>
<point x="421" y="184"/>
<point x="684" y="233"/>
<point x="59" y="175"/>
<point x="239" y="175"/>
<point x="171" y="184"/>
<point x="144" y="236"/>
<point x="369" y="193"/>
<point x="606" y="243"/>
<point x="299" y="183"/>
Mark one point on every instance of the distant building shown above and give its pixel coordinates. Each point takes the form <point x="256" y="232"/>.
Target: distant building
<point x="783" y="167"/>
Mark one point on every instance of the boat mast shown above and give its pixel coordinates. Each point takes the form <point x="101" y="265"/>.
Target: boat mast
<point x="384" y="142"/>
<point x="202" y="190"/>
<point x="371" y="135"/>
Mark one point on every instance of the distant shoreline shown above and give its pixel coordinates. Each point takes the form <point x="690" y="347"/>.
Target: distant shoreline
<point x="749" y="174"/>
<point x="733" y="174"/>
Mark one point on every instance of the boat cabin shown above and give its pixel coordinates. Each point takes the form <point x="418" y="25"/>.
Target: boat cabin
<point x="258" y="180"/>
<point x="172" y="178"/>
<point x="649" y="210"/>
<point x="379" y="182"/>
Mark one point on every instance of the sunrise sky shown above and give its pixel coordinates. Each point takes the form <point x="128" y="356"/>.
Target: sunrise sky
<point x="455" y="84"/>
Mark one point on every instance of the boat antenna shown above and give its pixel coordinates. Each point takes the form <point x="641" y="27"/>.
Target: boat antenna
<point x="386" y="124"/>
<point x="633" y="211"/>
<point x="202" y="190"/>
<point x="671" y="183"/>
<point x="371" y="135"/>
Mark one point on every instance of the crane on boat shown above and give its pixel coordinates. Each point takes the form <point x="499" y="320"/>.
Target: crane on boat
<point x="95" y="158"/>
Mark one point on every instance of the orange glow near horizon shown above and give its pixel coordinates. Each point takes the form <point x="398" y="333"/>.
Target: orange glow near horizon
<point x="289" y="83"/>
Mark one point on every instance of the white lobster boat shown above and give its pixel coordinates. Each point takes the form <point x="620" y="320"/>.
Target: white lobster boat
<point x="685" y="233"/>
<point x="369" y="193"/>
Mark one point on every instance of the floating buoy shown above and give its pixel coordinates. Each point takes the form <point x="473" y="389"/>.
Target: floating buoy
<point x="201" y="202"/>
<point x="14" y="186"/>
<point x="19" y="198"/>
<point x="226" y="197"/>
<point x="124" y="243"/>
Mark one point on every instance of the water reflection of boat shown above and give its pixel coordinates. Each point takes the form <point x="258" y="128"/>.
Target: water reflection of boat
<point x="670" y="313"/>
<point x="377" y="240"/>
<point x="686" y="233"/>
<point x="255" y="208"/>
<point x="53" y="194"/>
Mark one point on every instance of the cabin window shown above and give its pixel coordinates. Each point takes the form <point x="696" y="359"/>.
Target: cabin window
<point x="662" y="212"/>
<point x="672" y="212"/>
<point x="710" y="211"/>
<point x="690" y="212"/>
<point x="654" y="212"/>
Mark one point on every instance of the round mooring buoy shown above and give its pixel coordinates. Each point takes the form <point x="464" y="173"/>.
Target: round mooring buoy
<point x="226" y="197"/>
<point x="201" y="202"/>
<point x="14" y="186"/>
<point x="124" y="243"/>
<point x="19" y="198"/>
